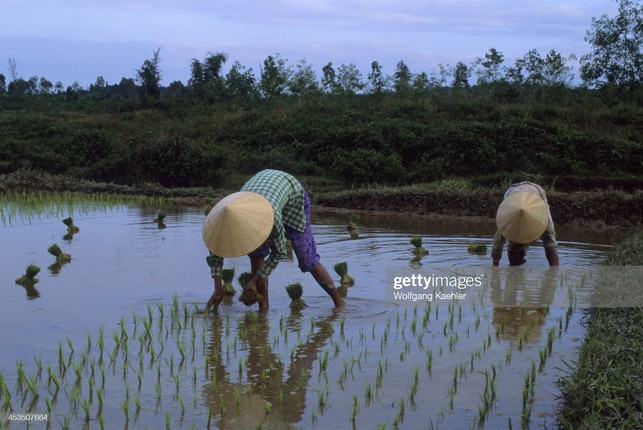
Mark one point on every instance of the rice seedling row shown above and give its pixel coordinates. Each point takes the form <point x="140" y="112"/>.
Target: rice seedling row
<point x="456" y="365"/>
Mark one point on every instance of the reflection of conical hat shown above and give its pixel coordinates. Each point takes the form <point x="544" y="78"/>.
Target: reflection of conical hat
<point x="238" y="224"/>
<point x="522" y="217"/>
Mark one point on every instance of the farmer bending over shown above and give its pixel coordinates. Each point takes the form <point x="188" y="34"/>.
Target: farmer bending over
<point x="522" y="218"/>
<point x="270" y="208"/>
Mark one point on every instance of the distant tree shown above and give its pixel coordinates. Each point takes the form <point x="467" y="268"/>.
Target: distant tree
<point x="72" y="92"/>
<point x="274" y="78"/>
<point x="438" y="78"/>
<point x="45" y="86"/>
<point x="97" y="89"/>
<point x="329" y="79"/>
<point x="32" y="85"/>
<point x="534" y="67"/>
<point x="516" y="74"/>
<point x="3" y="85"/>
<point x="206" y="80"/>
<point x="528" y="70"/>
<point x="303" y="81"/>
<point x="149" y="76"/>
<point x="212" y="65"/>
<point x="196" y="75"/>
<point x="13" y="69"/>
<point x="240" y="84"/>
<point x="175" y="90"/>
<point x="556" y="71"/>
<point x="461" y="75"/>
<point x="127" y="88"/>
<point x="616" y="58"/>
<point x="402" y="78"/>
<point x="377" y="81"/>
<point x="490" y="70"/>
<point x="349" y="79"/>
<point x="421" y="84"/>
<point x="19" y="86"/>
<point x="59" y="88"/>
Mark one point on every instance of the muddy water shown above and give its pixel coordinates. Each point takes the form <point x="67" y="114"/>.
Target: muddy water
<point x="317" y="368"/>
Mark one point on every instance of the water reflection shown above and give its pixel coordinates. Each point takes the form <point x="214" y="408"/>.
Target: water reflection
<point x="55" y="268"/>
<point x="30" y="289"/>
<point x="352" y="226"/>
<point x="268" y="393"/>
<point x="69" y="236"/>
<point x="519" y="309"/>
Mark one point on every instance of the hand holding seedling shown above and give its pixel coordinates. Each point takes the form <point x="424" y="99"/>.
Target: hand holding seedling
<point x="255" y="289"/>
<point x="217" y="296"/>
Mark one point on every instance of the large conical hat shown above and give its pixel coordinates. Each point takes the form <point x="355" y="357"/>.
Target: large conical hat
<point x="522" y="217"/>
<point x="238" y="224"/>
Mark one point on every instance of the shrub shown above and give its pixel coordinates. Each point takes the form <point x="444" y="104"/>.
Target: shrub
<point x="367" y="166"/>
<point x="176" y="162"/>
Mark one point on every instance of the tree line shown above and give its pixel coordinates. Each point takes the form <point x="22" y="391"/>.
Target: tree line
<point x="487" y="121"/>
<point x="615" y="61"/>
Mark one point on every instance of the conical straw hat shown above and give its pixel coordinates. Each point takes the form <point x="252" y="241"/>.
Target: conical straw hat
<point x="238" y="224"/>
<point x="522" y="217"/>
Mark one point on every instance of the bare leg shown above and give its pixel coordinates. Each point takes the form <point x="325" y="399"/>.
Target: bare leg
<point x="325" y="281"/>
<point x="552" y="256"/>
<point x="262" y="285"/>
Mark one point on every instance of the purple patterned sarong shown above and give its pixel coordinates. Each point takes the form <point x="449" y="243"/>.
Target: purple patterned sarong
<point x="303" y="243"/>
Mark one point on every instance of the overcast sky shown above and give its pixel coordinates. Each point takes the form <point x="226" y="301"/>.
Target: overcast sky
<point x="79" y="40"/>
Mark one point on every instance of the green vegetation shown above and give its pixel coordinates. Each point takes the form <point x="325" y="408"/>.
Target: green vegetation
<point x="71" y="228"/>
<point x="605" y="387"/>
<point x="418" y="249"/>
<point x="574" y="140"/>
<point x="526" y="119"/>
<point x="227" y="276"/>
<point x="352" y="223"/>
<point x="29" y="278"/>
<point x="345" y="280"/>
<point x="248" y="297"/>
<point x="477" y="248"/>
<point x="295" y="292"/>
<point x="469" y="198"/>
<point x="61" y="257"/>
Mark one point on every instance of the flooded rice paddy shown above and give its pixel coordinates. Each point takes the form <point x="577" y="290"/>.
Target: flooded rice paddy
<point x="113" y="338"/>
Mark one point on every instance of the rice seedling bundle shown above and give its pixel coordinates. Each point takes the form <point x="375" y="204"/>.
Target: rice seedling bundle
<point x="342" y="290"/>
<point x="418" y="250"/>
<point x="61" y="257"/>
<point x="29" y="278"/>
<point x="160" y="216"/>
<point x="227" y="275"/>
<point x="477" y="248"/>
<point x="295" y="292"/>
<point x="71" y="228"/>
<point x="248" y="297"/>
<point x="352" y="224"/>
<point x="342" y="270"/>
<point x="207" y="207"/>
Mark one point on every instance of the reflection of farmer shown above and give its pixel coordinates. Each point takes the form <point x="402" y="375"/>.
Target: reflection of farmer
<point x="518" y="307"/>
<point x="270" y="208"/>
<point x="268" y="380"/>
<point x="522" y="218"/>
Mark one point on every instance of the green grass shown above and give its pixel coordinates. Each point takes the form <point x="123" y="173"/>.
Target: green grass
<point x="605" y="386"/>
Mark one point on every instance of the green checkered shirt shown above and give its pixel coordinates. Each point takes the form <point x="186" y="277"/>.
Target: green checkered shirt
<point x="286" y="195"/>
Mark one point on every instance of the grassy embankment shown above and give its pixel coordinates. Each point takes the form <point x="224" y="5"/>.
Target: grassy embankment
<point x="449" y="197"/>
<point x="605" y="387"/>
